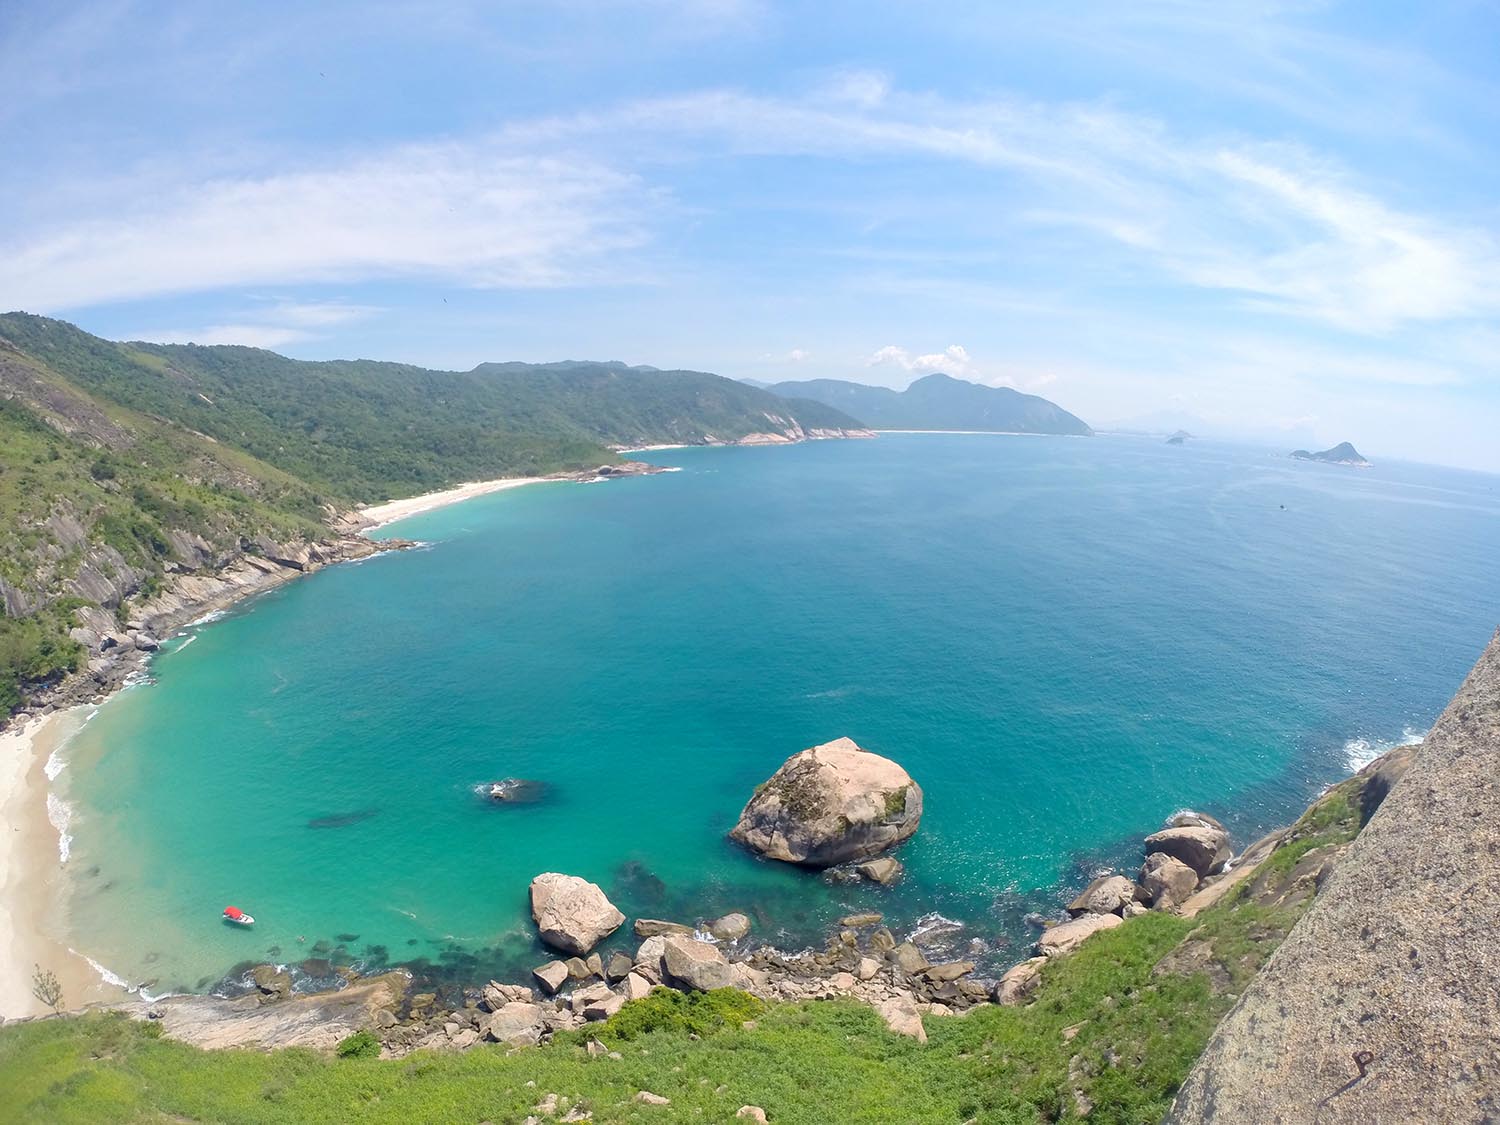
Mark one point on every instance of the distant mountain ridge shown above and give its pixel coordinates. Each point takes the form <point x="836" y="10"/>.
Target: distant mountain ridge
<point x="940" y="402"/>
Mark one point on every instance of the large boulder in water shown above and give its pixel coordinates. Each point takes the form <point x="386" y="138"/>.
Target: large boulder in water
<point x="831" y="804"/>
<point x="572" y="914"/>
<point x="1203" y="848"/>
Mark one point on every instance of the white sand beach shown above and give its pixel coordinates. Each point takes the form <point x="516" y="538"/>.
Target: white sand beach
<point x="393" y="510"/>
<point x="32" y="879"/>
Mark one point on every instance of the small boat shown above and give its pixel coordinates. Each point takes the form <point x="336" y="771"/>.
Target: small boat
<point x="237" y="916"/>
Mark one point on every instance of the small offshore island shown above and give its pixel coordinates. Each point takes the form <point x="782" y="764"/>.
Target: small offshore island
<point x="1341" y="454"/>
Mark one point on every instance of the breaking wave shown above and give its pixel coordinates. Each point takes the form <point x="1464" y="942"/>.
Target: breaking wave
<point x="1360" y="752"/>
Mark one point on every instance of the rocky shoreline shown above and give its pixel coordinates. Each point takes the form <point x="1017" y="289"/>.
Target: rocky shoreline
<point x="203" y="581"/>
<point x="863" y="960"/>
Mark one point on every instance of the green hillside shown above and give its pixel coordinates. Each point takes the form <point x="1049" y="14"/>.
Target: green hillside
<point x="121" y="462"/>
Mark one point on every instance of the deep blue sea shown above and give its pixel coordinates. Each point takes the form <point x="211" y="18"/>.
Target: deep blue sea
<point x="1063" y="640"/>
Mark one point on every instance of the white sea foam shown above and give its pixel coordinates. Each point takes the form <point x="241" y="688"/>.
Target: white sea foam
<point x="60" y="813"/>
<point x="193" y="637"/>
<point x="56" y="763"/>
<point x="933" y="923"/>
<point x="206" y="619"/>
<point x="119" y="981"/>
<point x="1360" y="752"/>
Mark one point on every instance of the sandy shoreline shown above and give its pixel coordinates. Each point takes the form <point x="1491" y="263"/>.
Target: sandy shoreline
<point x="32" y="880"/>
<point x="393" y="510"/>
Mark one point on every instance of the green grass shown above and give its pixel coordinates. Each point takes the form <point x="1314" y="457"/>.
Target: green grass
<point x="815" y="1062"/>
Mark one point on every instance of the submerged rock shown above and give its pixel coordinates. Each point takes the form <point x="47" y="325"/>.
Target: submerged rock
<point x="514" y="791"/>
<point x="572" y="914"/>
<point x="831" y="804"/>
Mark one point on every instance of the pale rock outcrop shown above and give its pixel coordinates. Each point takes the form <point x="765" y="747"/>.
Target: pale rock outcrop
<point x="1068" y="936"/>
<point x="516" y="1023"/>
<point x="1107" y="894"/>
<point x="751" y="1113"/>
<point x="689" y="963"/>
<point x="731" y="927"/>
<point x="572" y="914"/>
<point x="882" y="869"/>
<point x="552" y="976"/>
<point x="1203" y="848"/>
<point x="902" y="1016"/>
<point x="1167" y="881"/>
<point x="655" y="927"/>
<point x="831" y="804"/>
<point x="1019" y="982"/>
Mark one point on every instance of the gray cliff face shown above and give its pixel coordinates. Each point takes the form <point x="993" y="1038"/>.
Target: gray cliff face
<point x="1383" y="1004"/>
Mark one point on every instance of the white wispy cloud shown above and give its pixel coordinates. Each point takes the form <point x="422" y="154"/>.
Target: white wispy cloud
<point x="953" y="360"/>
<point x="468" y="213"/>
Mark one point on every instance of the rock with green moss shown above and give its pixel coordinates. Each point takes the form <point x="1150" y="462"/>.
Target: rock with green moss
<point x="831" y="804"/>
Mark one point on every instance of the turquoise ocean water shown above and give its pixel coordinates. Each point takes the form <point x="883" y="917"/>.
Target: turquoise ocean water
<point x="1063" y="640"/>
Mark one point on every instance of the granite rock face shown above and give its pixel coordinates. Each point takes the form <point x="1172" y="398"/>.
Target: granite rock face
<point x="1383" y="1004"/>
<point x="572" y="914"/>
<point x="831" y="804"/>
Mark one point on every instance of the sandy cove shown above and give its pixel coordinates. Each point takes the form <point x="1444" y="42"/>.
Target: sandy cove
<point x="32" y="879"/>
<point x="392" y="510"/>
<point x="33" y="882"/>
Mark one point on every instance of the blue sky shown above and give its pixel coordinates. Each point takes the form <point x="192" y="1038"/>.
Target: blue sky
<point x="1266" y="220"/>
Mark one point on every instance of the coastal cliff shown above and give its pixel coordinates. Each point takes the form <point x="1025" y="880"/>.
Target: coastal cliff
<point x="1381" y="1005"/>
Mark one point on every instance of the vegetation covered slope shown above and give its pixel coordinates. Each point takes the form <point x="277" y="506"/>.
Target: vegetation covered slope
<point x="1110" y="1034"/>
<point x="120" y="462"/>
<point x="940" y="402"/>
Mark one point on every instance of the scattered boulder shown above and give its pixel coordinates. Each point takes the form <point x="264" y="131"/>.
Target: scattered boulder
<point x="552" y="976"/>
<point x="578" y="968"/>
<point x="831" y="804"/>
<point x="649" y="955"/>
<point x="951" y="971"/>
<point x="618" y="966"/>
<point x="751" y="1113"/>
<point x="1188" y="818"/>
<point x="572" y="914"/>
<point x="867" y="968"/>
<point x="1068" y="936"/>
<point x="516" y="1023"/>
<point x="637" y="987"/>
<point x="1167" y="881"/>
<point x="497" y="995"/>
<point x="1107" y="894"/>
<point x="1203" y="848"/>
<point x="731" y="927"/>
<point x="1019" y="982"/>
<point x="883" y="870"/>
<point x="655" y="927"/>
<point x="695" y="964"/>
<point x="646" y="1097"/>
<point x="901" y="1016"/>
<point x="908" y="957"/>
<point x="856" y="921"/>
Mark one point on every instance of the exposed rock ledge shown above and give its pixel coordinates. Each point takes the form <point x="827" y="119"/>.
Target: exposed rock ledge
<point x="1381" y="1005"/>
<point x="115" y="653"/>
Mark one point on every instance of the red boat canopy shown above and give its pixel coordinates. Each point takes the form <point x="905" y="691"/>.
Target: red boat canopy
<point x="233" y="912"/>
